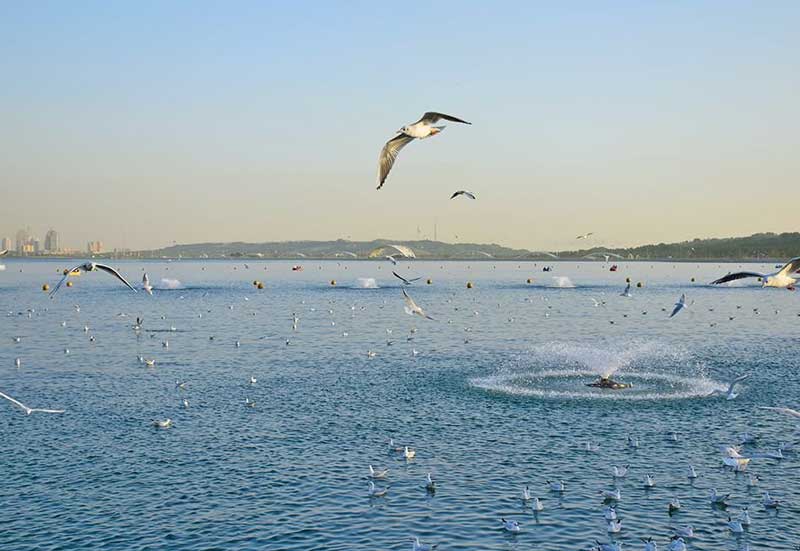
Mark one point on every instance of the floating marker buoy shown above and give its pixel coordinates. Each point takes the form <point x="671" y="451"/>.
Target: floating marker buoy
<point x="627" y="280"/>
<point x="333" y="282"/>
<point x="45" y="287"/>
<point x="429" y="282"/>
<point x="639" y="284"/>
<point x="255" y="282"/>
<point x="529" y="281"/>
<point x="469" y="285"/>
<point x="260" y="285"/>
<point x="69" y="284"/>
<point x="692" y="280"/>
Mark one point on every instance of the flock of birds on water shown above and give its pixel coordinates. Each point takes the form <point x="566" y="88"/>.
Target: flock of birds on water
<point x="733" y="457"/>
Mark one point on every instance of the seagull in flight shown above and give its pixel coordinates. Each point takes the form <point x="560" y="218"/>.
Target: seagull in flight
<point x="782" y="279"/>
<point x="680" y="305"/>
<point x="463" y="192"/>
<point x="146" y="284"/>
<point x="784" y="411"/>
<point x="421" y="129"/>
<point x="411" y="307"/>
<point x="585" y="235"/>
<point x="404" y="280"/>
<point x="26" y="409"/>
<point x="730" y="394"/>
<point x="92" y="267"/>
<point x="4" y="252"/>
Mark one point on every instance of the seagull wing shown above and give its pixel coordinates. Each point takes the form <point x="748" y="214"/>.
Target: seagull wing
<point x="4" y="252"/>
<point x="145" y="280"/>
<point x="456" y="194"/>
<point x="785" y="411"/>
<point x="15" y="402"/>
<point x="735" y="276"/>
<point x="791" y="267"/>
<point x="432" y="117"/>
<point x="63" y="279"/>
<point x="736" y="381"/>
<point x="410" y="304"/>
<point x="116" y="274"/>
<point x="401" y="278"/>
<point x="389" y="154"/>
<point x="39" y="410"/>
<point x="679" y="306"/>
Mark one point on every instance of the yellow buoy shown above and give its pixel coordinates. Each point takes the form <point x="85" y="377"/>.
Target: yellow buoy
<point x="260" y="285"/>
<point x="333" y="282"/>
<point x="69" y="284"/>
<point x="469" y="285"/>
<point x="429" y="282"/>
<point x="255" y="282"/>
<point x="45" y="287"/>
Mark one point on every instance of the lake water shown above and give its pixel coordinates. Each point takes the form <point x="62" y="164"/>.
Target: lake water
<point x="494" y="400"/>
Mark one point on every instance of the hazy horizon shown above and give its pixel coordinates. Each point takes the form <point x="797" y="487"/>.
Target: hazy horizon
<point x="144" y="124"/>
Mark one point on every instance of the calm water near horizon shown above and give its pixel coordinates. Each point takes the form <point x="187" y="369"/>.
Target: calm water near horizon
<point x="494" y="399"/>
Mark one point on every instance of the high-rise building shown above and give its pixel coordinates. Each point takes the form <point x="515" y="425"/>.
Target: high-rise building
<point x="94" y="247"/>
<point x="6" y="244"/>
<point x="52" y="242"/>
<point x="22" y="240"/>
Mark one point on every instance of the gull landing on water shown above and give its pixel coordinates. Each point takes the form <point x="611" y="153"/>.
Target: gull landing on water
<point x="730" y="394"/>
<point x="92" y="267"/>
<point x="26" y="409"/>
<point x="421" y="129"/>
<point x="782" y="279"/>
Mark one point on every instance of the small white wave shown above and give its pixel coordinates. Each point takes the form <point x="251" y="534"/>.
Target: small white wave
<point x="563" y="282"/>
<point x="2" y="267"/>
<point x="366" y="283"/>
<point x="170" y="284"/>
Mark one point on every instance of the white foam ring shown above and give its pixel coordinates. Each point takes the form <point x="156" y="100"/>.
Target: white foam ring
<point x="170" y="284"/>
<point x="366" y="283"/>
<point x="561" y="371"/>
<point x="563" y="282"/>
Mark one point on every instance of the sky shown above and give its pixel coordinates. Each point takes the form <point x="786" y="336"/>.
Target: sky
<point x="146" y="123"/>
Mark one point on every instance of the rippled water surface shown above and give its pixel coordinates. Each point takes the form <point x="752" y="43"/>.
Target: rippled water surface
<point x="492" y="395"/>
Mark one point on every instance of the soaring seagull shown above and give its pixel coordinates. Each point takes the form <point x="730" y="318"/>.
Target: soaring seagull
<point x="463" y="192"/>
<point x="404" y="280"/>
<point x="28" y="410"/>
<point x="781" y="279"/>
<point x="421" y="129"/>
<point x="585" y="235"/>
<point x="4" y="252"/>
<point x="92" y="267"/>
<point x="411" y="307"/>
<point x="680" y="305"/>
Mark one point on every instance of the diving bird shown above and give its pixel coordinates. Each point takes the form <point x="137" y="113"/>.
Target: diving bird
<point x="421" y="129"/>
<point x="92" y="267"/>
<point x="464" y="193"/>
<point x="411" y="307"/>
<point x="782" y="279"/>
<point x="146" y="284"/>
<point x="404" y="280"/>
<point x="26" y="409"/>
<point x="730" y="394"/>
<point x="680" y="305"/>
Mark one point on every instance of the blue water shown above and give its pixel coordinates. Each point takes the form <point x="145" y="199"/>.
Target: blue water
<point x="494" y="400"/>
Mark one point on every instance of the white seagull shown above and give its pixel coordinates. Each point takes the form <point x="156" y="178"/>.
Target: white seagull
<point x="92" y="267"/>
<point x="28" y="410"/>
<point x="404" y="280"/>
<point x="146" y="284"/>
<point x="585" y="235"/>
<point x="377" y="473"/>
<point x="417" y="546"/>
<point x="782" y="279"/>
<point x="680" y="305"/>
<point x="411" y="307"/>
<point x="464" y="193"/>
<point x="511" y="526"/>
<point x="421" y="129"/>
<point x="730" y="394"/>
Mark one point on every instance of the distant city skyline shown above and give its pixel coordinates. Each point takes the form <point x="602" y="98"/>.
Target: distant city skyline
<point x="144" y="125"/>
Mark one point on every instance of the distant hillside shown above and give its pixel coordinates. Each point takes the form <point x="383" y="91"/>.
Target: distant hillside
<point x="758" y="246"/>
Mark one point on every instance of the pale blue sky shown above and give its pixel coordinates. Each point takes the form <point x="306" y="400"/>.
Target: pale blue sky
<point x="145" y="122"/>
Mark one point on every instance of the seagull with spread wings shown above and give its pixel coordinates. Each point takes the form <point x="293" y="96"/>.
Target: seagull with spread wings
<point x="411" y="307"/>
<point x="4" y="252"/>
<point x="404" y="280"/>
<point x="463" y="192"/>
<point x="680" y="305"/>
<point x="782" y="279"/>
<point x="92" y="267"/>
<point x="26" y="409"/>
<point x="585" y="235"/>
<point x="423" y="128"/>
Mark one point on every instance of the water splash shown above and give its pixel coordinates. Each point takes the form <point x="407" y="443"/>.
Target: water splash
<point x="2" y="267"/>
<point x="170" y="284"/>
<point x="563" y="282"/>
<point x="561" y="371"/>
<point x="366" y="283"/>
